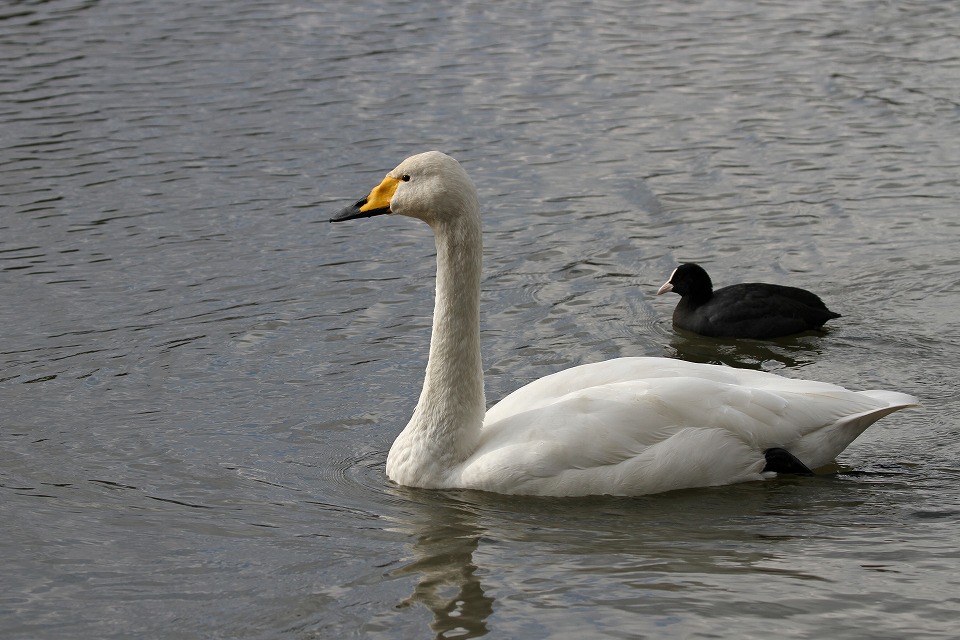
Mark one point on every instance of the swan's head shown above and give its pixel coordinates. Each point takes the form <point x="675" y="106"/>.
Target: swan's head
<point x="688" y="278"/>
<point x="430" y="186"/>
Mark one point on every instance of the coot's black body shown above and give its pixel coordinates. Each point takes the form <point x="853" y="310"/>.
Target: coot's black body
<point x="750" y="310"/>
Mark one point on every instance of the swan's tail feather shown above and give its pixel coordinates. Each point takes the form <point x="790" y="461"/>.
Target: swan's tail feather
<point x="824" y="445"/>
<point x="894" y="399"/>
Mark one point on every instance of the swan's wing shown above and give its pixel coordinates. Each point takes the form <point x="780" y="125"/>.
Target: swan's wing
<point x="607" y="423"/>
<point x="631" y="438"/>
<point x="605" y="429"/>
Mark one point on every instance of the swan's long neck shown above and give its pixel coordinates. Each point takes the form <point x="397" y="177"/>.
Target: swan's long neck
<point x="445" y="426"/>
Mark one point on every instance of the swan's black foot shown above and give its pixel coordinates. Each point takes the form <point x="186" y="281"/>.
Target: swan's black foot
<point x="782" y="461"/>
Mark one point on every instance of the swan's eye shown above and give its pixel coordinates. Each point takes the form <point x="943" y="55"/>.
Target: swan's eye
<point x="405" y="177"/>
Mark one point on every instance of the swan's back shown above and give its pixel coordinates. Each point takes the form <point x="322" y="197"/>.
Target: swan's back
<point x="646" y="369"/>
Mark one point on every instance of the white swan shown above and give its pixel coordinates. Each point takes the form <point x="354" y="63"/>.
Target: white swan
<point x="628" y="426"/>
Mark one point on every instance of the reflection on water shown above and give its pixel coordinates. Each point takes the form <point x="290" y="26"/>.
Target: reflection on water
<point x="670" y="550"/>
<point x="446" y="535"/>
<point x="790" y="352"/>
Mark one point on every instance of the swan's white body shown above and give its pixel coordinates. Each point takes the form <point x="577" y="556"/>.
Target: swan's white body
<point x="628" y="426"/>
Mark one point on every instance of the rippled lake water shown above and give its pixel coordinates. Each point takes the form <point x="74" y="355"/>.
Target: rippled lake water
<point x="200" y="378"/>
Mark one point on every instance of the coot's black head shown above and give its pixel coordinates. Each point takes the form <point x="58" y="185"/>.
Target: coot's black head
<point x="688" y="279"/>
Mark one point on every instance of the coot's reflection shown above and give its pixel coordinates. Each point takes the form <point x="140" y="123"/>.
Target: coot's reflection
<point x="793" y="351"/>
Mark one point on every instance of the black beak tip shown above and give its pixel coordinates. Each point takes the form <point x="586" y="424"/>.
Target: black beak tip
<point x="349" y="213"/>
<point x="342" y="215"/>
<point x="353" y="212"/>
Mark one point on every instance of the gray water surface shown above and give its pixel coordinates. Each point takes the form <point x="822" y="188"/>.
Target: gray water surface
<point x="200" y="378"/>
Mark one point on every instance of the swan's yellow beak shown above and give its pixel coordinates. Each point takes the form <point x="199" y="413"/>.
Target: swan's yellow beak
<point x="375" y="204"/>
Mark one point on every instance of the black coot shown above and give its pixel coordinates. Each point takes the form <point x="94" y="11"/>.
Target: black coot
<point x="749" y="310"/>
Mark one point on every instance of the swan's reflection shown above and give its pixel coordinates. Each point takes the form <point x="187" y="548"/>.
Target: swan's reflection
<point x="447" y="534"/>
<point x="664" y="544"/>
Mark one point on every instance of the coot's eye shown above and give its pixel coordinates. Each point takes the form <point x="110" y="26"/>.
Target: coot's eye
<point x="405" y="177"/>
